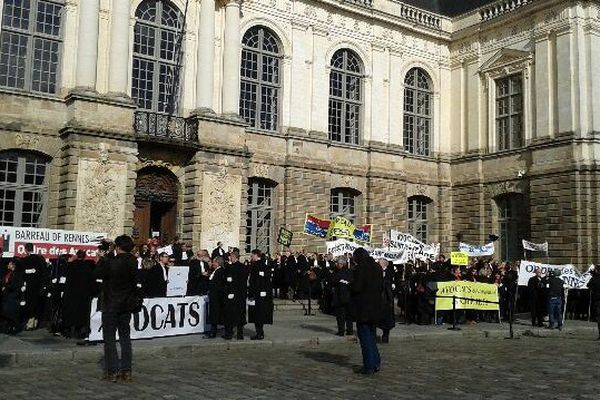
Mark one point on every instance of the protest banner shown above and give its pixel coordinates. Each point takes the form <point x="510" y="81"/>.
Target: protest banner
<point x="572" y="278"/>
<point x="177" y="282"/>
<point x="285" y="237"/>
<point x="315" y="226"/>
<point x="166" y="249"/>
<point x="542" y="247"/>
<point x="459" y="258"/>
<point x="412" y="247"/>
<point x="339" y="228"/>
<point x="477" y="251"/>
<point x="49" y="243"/>
<point x="469" y="296"/>
<point x="341" y="247"/>
<point x="160" y="317"/>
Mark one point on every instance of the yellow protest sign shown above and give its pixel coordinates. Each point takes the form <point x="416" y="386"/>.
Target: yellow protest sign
<point x="341" y="228"/>
<point x="469" y="296"/>
<point x="459" y="258"/>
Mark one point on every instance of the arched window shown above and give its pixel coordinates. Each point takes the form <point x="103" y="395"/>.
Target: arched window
<point x="418" y="217"/>
<point x="259" y="215"/>
<point x="512" y="225"/>
<point x="260" y="74"/>
<point x="23" y="188"/>
<point x="345" y="97"/>
<point x="30" y="44"/>
<point x="417" y="112"/>
<point x="157" y="54"/>
<point x="343" y="202"/>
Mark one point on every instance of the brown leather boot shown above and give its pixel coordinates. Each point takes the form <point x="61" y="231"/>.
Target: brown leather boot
<point x="125" y="376"/>
<point x="109" y="377"/>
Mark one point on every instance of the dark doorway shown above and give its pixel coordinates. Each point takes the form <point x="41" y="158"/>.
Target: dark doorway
<point x="155" y="205"/>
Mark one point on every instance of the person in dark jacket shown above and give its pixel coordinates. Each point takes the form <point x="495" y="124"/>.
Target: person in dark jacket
<point x="236" y="291"/>
<point x="198" y="274"/>
<point x="341" y="296"/>
<point x="556" y="295"/>
<point x="388" y="321"/>
<point x="594" y="286"/>
<point x="11" y="295"/>
<point x="77" y="300"/>
<point x="216" y="296"/>
<point x="537" y="298"/>
<point x="156" y="278"/>
<point x="119" y="299"/>
<point x="260" y="294"/>
<point x="367" y="298"/>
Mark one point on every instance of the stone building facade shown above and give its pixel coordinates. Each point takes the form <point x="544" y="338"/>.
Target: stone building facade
<point x="224" y="120"/>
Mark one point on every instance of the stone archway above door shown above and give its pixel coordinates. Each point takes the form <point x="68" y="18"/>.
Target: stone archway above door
<point x="156" y="184"/>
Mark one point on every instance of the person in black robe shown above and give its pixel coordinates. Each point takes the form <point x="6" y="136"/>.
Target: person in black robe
<point x="79" y="288"/>
<point x="218" y="251"/>
<point x="260" y="294"/>
<point x="34" y="267"/>
<point x="57" y="289"/>
<point x="216" y="296"/>
<point x="155" y="282"/>
<point x="594" y="286"/>
<point x="290" y="274"/>
<point x="537" y="298"/>
<point x="199" y="271"/>
<point x="388" y="321"/>
<point x="341" y="296"/>
<point x="11" y="295"/>
<point x="236" y="291"/>
<point x="303" y="268"/>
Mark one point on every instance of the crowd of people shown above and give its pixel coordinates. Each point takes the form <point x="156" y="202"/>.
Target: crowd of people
<point x="58" y="294"/>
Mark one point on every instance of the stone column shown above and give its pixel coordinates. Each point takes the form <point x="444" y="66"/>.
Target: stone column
<point x="231" y="59"/>
<point x="87" y="47"/>
<point x="119" y="47"/>
<point x="206" y="57"/>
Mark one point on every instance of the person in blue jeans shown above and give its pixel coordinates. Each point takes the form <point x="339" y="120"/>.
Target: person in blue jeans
<point x="367" y="290"/>
<point x="556" y="294"/>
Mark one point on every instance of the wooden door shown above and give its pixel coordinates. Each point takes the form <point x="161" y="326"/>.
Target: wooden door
<point x="168" y="222"/>
<point x="141" y="222"/>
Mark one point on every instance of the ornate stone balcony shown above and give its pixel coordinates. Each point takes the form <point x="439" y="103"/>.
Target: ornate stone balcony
<point x="421" y="17"/>
<point x="362" y="3"/>
<point x="501" y="7"/>
<point x="152" y="126"/>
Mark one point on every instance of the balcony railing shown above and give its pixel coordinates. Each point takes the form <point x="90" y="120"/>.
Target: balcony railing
<point x="362" y="3"/>
<point x="150" y="125"/>
<point x="420" y="17"/>
<point x="501" y="7"/>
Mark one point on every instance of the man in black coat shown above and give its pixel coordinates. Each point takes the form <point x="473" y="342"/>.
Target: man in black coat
<point x="367" y="289"/>
<point x="216" y="296"/>
<point x="341" y="296"/>
<point x="119" y="299"/>
<point x="218" y="251"/>
<point x="34" y="267"/>
<point x="594" y="286"/>
<point x="236" y="290"/>
<point x="537" y="296"/>
<point x="199" y="271"/>
<point x="79" y="288"/>
<point x="388" y="320"/>
<point x="260" y="291"/>
<point x="556" y="297"/>
<point x="156" y="278"/>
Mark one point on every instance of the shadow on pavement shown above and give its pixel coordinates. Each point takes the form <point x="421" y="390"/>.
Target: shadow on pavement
<point x="329" y="358"/>
<point x="318" y="328"/>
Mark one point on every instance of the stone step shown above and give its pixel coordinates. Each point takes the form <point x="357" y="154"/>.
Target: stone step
<point x="290" y="305"/>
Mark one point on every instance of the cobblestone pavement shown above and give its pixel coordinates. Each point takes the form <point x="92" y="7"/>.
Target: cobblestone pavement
<point x="564" y="367"/>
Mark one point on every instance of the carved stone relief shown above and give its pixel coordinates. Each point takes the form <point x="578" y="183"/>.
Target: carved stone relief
<point x="496" y="189"/>
<point x="221" y="209"/>
<point x="25" y="141"/>
<point x="101" y="192"/>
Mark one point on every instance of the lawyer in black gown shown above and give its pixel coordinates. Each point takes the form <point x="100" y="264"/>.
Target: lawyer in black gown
<point x="216" y="296"/>
<point x="388" y="320"/>
<point x="34" y="266"/>
<point x="236" y="290"/>
<point x="340" y="284"/>
<point x="260" y="291"/>
<point x="156" y="278"/>
<point x="79" y="287"/>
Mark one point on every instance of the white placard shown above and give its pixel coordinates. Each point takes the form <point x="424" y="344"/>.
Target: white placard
<point x="177" y="282"/>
